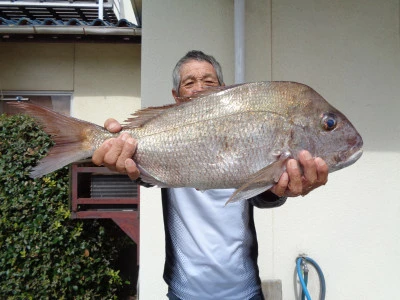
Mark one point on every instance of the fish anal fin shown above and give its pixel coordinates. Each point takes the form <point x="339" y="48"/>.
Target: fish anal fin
<point x="262" y="180"/>
<point x="150" y="180"/>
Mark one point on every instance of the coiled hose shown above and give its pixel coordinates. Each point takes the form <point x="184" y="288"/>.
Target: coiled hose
<point x="302" y="261"/>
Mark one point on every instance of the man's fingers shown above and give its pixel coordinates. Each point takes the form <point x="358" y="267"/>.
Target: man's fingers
<point x="322" y="171"/>
<point x="98" y="155"/>
<point x="112" y="125"/>
<point x="111" y="157"/>
<point x="295" y="177"/>
<point x="280" y="187"/>
<point x="128" y="149"/>
<point x="315" y="175"/>
<point x="131" y="169"/>
<point x="309" y="168"/>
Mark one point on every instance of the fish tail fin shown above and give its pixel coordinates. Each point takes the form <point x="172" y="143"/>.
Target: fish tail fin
<point x="71" y="137"/>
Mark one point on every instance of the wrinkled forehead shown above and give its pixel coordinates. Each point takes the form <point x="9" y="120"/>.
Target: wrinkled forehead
<point x="194" y="69"/>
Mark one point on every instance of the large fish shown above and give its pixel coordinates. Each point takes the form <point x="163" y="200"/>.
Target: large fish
<point x="238" y="136"/>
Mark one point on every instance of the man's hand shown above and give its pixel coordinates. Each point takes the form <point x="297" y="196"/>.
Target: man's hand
<point x="116" y="153"/>
<point x="293" y="183"/>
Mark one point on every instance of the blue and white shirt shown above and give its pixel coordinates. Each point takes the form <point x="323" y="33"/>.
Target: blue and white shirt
<point x="211" y="249"/>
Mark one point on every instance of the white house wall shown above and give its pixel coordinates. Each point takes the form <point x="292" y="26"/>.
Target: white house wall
<point x="103" y="78"/>
<point x="107" y="81"/>
<point x="349" y="52"/>
<point x="36" y="66"/>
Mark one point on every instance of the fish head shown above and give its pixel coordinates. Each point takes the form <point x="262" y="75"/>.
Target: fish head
<point x="325" y="131"/>
<point x="340" y="143"/>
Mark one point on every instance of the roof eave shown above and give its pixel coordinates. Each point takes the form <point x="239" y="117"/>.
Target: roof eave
<point x="70" y="33"/>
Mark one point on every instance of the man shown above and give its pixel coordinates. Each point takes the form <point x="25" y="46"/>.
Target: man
<point x="211" y="250"/>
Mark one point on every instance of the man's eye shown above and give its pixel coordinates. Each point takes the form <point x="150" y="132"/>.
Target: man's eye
<point x="188" y="84"/>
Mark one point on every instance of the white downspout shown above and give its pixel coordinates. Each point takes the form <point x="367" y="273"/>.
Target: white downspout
<point x="101" y="8"/>
<point x="239" y="23"/>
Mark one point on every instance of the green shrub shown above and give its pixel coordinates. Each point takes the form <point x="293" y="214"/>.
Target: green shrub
<point x="43" y="253"/>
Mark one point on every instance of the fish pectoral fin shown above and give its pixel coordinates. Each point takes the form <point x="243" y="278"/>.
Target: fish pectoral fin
<point x="257" y="183"/>
<point x="262" y="180"/>
<point x="243" y="194"/>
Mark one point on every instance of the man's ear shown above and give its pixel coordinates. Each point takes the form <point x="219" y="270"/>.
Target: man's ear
<point x="175" y="95"/>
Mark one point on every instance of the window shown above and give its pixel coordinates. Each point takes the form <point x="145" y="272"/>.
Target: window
<point x="58" y="101"/>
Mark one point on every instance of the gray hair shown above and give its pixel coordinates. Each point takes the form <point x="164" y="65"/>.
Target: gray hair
<point x="199" y="56"/>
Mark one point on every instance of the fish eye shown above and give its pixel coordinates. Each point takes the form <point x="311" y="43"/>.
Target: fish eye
<point x="328" y="121"/>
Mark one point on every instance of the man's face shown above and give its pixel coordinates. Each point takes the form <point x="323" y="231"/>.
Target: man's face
<point x="196" y="76"/>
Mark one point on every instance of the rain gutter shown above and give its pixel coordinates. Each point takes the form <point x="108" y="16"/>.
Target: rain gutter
<point x="77" y="32"/>
<point x="73" y="30"/>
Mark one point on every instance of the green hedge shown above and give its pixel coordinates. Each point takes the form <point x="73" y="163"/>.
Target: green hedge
<point x="44" y="254"/>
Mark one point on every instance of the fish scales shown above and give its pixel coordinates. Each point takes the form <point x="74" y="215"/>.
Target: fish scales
<point x="239" y="137"/>
<point x="237" y="128"/>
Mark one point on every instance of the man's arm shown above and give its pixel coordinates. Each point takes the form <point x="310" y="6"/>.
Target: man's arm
<point x="267" y="200"/>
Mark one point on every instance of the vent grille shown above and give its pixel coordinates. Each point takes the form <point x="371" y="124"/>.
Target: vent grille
<point x="112" y="186"/>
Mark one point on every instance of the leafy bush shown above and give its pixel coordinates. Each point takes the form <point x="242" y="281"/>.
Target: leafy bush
<point x="43" y="253"/>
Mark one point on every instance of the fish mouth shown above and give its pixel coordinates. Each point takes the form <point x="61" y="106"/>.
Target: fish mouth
<point x="355" y="154"/>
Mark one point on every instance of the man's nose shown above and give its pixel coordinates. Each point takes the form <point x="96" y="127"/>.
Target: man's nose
<point x="198" y="87"/>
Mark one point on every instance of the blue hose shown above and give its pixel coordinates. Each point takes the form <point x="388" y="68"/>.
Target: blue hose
<point x="305" y="273"/>
<point x="304" y="282"/>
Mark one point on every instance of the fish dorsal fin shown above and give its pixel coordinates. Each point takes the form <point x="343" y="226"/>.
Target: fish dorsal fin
<point x="142" y="116"/>
<point x="262" y="180"/>
<point x="208" y="91"/>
